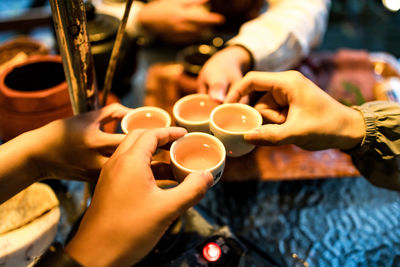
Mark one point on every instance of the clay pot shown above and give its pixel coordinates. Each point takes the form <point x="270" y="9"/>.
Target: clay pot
<point x="19" y="49"/>
<point x="32" y="94"/>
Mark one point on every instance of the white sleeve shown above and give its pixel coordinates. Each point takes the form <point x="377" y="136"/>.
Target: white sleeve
<point x="280" y="37"/>
<point x="117" y="10"/>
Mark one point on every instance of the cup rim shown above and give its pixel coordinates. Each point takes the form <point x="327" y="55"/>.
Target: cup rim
<point x="150" y="108"/>
<point x="206" y="135"/>
<point x="178" y="103"/>
<point x="248" y="107"/>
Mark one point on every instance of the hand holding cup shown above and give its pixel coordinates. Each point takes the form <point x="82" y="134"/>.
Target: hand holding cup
<point x="230" y="122"/>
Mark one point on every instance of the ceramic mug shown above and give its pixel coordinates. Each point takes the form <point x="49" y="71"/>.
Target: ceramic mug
<point x="229" y="122"/>
<point x="197" y="151"/>
<point x="193" y="112"/>
<point x="146" y="117"/>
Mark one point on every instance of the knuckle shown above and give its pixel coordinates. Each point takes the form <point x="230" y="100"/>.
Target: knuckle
<point x="274" y="139"/>
<point x="250" y="75"/>
<point x="295" y="75"/>
<point x="296" y="79"/>
<point x="113" y="106"/>
<point x="200" y="192"/>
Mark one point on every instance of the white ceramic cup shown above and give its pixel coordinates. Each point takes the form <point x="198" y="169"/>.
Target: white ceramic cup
<point x="229" y="122"/>
<point x="193" y="112"/>
<point x="146" y="117"/>
<point x="197" y="151"/>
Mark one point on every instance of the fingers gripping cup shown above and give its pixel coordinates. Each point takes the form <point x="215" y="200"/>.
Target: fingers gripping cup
<point x="229" y="123"/>
<point x="145" y="118"/>
<point x="193" y="112"/>
<point x="197" y="151"/>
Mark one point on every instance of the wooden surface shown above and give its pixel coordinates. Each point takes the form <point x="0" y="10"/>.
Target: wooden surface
<point x="164" y="87"/>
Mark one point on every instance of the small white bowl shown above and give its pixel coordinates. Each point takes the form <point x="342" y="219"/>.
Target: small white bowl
<point x="147" y="117"/>
<point x="186" y="115"/>
<point x="197" y="149"/>
<point x="229" y="122"/>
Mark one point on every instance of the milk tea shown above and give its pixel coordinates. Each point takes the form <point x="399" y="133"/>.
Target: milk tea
<point x="197" y="109"/>
<point x="235" y="119"/>
<point x="145" y="120"/>
<point x="198" y="155"/>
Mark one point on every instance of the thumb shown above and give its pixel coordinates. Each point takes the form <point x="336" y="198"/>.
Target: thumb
<point x="269" y="135"/>
<point x="191" y="190"/>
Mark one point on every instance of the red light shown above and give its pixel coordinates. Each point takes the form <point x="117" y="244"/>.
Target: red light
<point x="212" y="252"/>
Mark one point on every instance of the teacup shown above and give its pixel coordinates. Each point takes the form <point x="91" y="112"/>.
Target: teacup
<point x="197" y="151"/>
<point x="193" y="112"/>
<point x="145" y="118"/>
<point x="229" y="122"/>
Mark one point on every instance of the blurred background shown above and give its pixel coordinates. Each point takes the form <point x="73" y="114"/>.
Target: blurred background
<point x="366" y="24"/>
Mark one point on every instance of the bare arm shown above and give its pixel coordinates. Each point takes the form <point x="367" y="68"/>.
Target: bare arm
<point x="73" y="148"/>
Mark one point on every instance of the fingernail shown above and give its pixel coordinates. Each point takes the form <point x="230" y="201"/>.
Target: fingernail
<point x="221" y="96"/>
<point x="209" y="178"/>
<point x="217" y="96"/>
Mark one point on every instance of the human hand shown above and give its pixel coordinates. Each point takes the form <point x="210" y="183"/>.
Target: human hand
<point x="222" y="71"/>
<point x="299" y="112"/>
<point x="129" y="213"/>
<point x="76" y="148"/>
<point x="178" y="21"/>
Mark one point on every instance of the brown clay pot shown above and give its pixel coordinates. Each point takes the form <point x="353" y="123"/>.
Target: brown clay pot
<point x="32" y="94"/>
<point x="18" y="49"/>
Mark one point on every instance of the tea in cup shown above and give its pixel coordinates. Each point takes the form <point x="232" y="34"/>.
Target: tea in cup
<point x="197" y="151"/>
<point x="145" y="118"/>
<point x="193" y="112"/>
<point x="229" y="123"/>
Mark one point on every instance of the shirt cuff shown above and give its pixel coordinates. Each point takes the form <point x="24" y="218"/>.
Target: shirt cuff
<point x="371" y="131"/>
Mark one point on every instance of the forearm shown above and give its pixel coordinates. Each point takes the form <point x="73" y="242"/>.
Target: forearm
<point x="377" y="157"/>
<point x="17" y="169"/>
<point x="284" y="34"/>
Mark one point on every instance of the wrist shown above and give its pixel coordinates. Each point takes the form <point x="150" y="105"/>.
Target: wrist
<point x="146" y="18"/>
<point x="141" y="18"/>
<point x="35" y="163"/>
<point x="78" y="249"/>
<point x="92" y="240"/>
<point x="243" y="56"/>
<point x="355" y="130"/>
